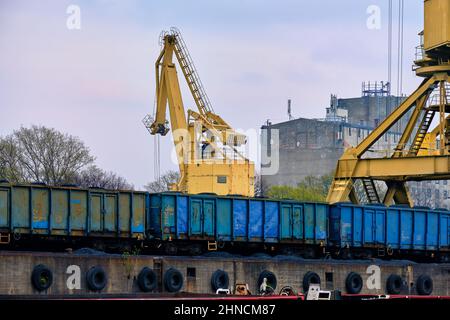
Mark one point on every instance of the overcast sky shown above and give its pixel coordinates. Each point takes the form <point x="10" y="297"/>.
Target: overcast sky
<point x="97" y="83"/>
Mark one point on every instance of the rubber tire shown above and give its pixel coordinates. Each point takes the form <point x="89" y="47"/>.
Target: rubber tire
<point x="173" y="280"/>
<point x="394" y="284"/>
<point x="147" y="280"/>
<point x="41" y="272"/>
<point x="219" y="280"/>
<point x="353" y="283"/>
<point x="271" y="279"/>
<point x="424" y="285"/>
<point x="96" y="278"/>
<point x="310" y="277"/>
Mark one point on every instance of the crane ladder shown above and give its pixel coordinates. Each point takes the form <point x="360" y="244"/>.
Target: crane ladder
<point x="421" y="132"/>
<point x="191" y="74"/>
<point x="370" y="190"/>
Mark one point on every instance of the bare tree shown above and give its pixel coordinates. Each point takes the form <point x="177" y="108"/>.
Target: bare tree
<point x="260" y="189"/>
<point x="10" y="168"/>
<point x="43" y="154"/>
<point x="46" y="155"/>
<point x="96" y="177"/>
<point x="163" y="183"/>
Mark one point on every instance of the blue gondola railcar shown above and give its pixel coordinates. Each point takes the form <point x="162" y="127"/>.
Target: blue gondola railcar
<point x="237" y="220"/>
<point x="390" y="230"/>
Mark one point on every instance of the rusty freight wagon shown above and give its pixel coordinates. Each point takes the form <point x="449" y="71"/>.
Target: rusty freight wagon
<point x="242" y="224"/>
<point x="39" y="212"/>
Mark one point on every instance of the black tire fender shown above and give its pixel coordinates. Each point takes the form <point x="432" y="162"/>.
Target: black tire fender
<point x="147" y="280"/>
<point x="424" y="285"/>
<point x="96" y="278"/>
<point x="41" y="277"/>
<point x="353" y="283"/>
<point x="271" y="279"/>
<point x="173" y="280"/>
<point x="219" y="280"/>
<point x="310" y="277"/>
<point x="394" y="284"/>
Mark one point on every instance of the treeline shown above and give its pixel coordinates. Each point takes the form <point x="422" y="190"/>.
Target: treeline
<point x="41" y="154"/>
<point x="311" y="188"/>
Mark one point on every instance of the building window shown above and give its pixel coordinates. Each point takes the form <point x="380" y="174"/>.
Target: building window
<point x="359" y="133"/>
<point x="349" y="132"/>
<point x="221" y="179"/>
<point x="445" y="194"/>
<point x="437" y="194"/>
<point x="445" y="182"/>
<point x="428" y="192"/>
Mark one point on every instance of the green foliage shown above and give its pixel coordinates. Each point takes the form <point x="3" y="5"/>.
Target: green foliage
<point x="127" y="259"/>
<point x="311" y="188"/>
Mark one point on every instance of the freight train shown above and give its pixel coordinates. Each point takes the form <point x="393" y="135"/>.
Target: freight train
<point x="56" y="218"/>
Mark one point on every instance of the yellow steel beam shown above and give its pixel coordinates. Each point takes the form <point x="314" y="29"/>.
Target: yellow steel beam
<point x="377" y="133"/>
<point x="398" y="192"/>
<point x="404" y="168"/>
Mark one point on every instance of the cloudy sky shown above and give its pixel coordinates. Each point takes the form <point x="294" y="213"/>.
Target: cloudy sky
<point x="97" y="83"/>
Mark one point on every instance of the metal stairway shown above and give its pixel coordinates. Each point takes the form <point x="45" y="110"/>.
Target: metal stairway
<point x="421" y="132"/>
<point x="191" y="74"/>
<point x="371" y="191"/>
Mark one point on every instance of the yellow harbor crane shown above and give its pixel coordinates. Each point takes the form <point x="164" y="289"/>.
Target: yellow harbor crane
<point x="207" y="147"/>
<point x="413" y="159"/>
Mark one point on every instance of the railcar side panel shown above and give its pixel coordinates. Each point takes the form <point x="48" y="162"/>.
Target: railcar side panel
<point x="256" y="221"/>
<point x="240" y="219"/>
<point x="4" y="209"/>
<point x="224" y="219"/>
<point x="271" y="221"/>
<point x="182" y="209"/>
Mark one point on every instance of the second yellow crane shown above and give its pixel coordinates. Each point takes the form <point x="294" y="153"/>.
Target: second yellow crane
<point x="206" y="146"/>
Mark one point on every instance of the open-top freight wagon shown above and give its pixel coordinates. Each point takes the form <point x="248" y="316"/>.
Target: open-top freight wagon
<point x="238" y="223"/>
<point x="44" y="217"/>
<point x="362" y="231"/>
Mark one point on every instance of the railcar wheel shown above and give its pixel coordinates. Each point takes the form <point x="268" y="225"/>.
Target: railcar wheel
<point x="195" y="250"/>
<point x="96" y="278"/>
<point x="147" y="279"/>
<point x="170" y="249"/>
<point x="394" y="284"/>
<point x="41" y="277"/>
<point x="219" y="280"/>
<point x="310" y="278"/>
<point x="173" y="280"/>
<point x="424" y="285"/>
<point x="353" y="283"/>
<point x="345" y="254"/>
<point x="220" y="244"/>
<point x="271" y="280"/>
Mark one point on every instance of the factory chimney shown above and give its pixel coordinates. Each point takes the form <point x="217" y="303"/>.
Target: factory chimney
<point x="289" y="111"/>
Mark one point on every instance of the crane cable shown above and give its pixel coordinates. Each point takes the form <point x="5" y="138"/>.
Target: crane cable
<point x="156" y="151"/>
<point x="400" y="48"/>
<point x="390" y="44"/>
